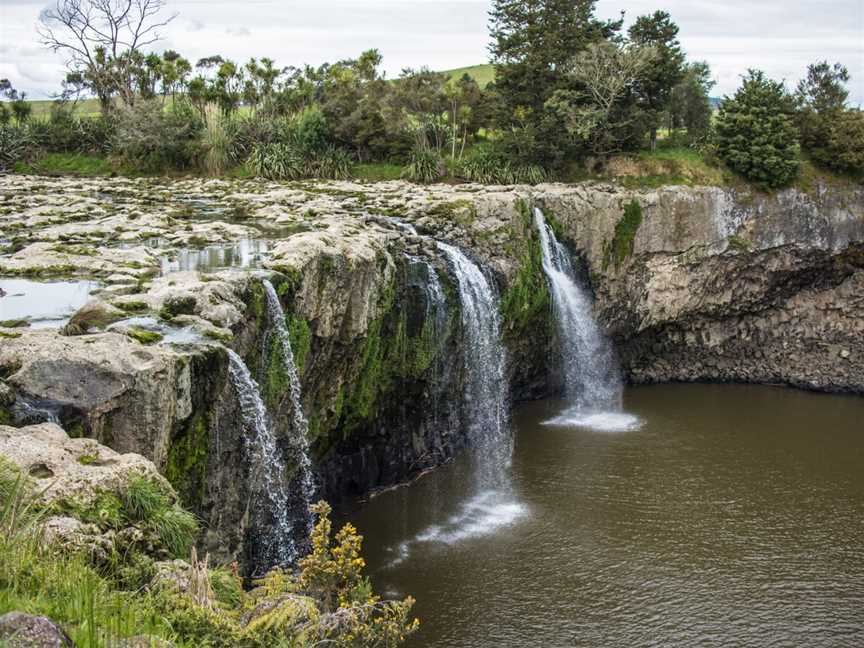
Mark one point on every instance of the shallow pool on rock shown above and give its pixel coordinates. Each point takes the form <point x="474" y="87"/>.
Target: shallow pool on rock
<point x="249" y="253"/>
<point x="733" y="515"/>
<point x="44" y="304"/>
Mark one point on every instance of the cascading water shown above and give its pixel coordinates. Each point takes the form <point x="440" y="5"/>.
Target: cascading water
<point x="281" y="504"/>
<point x="591" y="375"/>
<point x="300" y="425"/>
<point x="276" y="546"/>
<point x="485" y="357"/>
<point x="485" y="414"/>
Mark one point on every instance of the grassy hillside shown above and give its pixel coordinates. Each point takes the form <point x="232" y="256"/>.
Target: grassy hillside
<point x="482" y="74"/>
<point x="84" y="108"/>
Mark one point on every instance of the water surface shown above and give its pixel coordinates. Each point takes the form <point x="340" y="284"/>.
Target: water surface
<point x="733" y="515"/>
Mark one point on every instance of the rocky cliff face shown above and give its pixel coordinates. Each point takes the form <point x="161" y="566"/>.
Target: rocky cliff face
<point x="691" y="283"/>
<point x="707" y="284"/>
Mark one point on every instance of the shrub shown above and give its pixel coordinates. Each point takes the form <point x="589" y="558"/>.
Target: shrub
<point x="425" y="166"/>
<point x="153" y="139"/>
<point x="15" y="146"/>
<point x="216" y="143"/>
<point x="487" y="165"/>
<point x="843" y="148"/>
<point x="288" y="161"/>
<point x="755" y="133"/>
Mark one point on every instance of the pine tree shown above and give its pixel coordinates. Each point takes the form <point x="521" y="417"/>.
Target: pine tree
<point x="755" y="133"/>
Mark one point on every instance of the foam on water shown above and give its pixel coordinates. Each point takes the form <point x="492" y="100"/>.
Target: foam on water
<point x="482" y="515"/>
<point x="577" y="417"/>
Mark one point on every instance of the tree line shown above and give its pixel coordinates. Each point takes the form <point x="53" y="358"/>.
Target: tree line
<point x="570" y="89"/>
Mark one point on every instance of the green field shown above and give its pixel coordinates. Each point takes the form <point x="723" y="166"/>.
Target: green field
<point x="84" y="108"/>
<point x="482" y="74"/>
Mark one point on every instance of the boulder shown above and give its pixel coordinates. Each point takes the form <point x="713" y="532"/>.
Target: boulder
<point x="67" y="469"/>
<point x="19" y="630"/>
<point x="93" y="316"/>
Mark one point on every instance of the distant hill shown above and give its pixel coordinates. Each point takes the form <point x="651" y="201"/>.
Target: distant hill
<point x="482" y="74"/>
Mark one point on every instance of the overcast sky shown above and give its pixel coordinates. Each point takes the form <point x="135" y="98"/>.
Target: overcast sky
<point x="780" y="37"/>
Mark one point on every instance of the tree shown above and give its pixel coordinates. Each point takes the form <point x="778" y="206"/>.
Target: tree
<point x="690" y="104"/>
<point x="533" y="41"/>
<point x="599" y="113"/>
<point x="102" y="40"/>
<point x="845" y="145"/>
<point x="654" y="87"/>
<point x="421" y="104"/>
<point x="821" y="102"/>
<point x="353" y="96"/>
<point x="756" y="135"/>
<point x="20" y="107"/>
<point x="464" y="97"/>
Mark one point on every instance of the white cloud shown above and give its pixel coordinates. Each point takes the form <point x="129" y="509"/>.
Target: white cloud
<point x="780" y="38"/>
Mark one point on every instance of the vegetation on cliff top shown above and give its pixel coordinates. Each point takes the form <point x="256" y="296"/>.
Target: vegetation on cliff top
<point x="567" y="95"/>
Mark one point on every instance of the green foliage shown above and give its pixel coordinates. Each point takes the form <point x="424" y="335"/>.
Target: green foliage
<point x="377" y="172"/>
<point x="15" y="145"/>
<point x="844" y="145"/>
<point x="187" y="461"/>
<point x="152" y="139"/>
<point x="689" y="105"/>
<point x="299" y="148"/>
<point x="832" y="134"/>
<point x="74" y="164"/>
<point x="301" y="340"/>
<point x="527" y="301"/>
<point x="755" y="134"/>
<point x="654" y="85"/>
<point x="425" y="166"/>
<point x="621" y="245"/>
<point x="488" y="165"/>
<point x="216" y="144"/>
<point x="533" y="43"/>
<point x="99" y="607"/>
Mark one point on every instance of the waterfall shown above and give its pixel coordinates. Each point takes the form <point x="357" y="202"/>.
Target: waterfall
<point x="485" y="396"/>
<point x="591" y="375"/>
<point x="493" y="505"/>
<point x="268" y="467"/>
<point x="300" y="426"/>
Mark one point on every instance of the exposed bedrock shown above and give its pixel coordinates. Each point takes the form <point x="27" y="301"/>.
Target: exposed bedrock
<point x="715" y="285"/>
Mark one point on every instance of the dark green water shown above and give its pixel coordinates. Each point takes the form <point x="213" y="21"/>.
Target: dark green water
<point x="733" y="517"/>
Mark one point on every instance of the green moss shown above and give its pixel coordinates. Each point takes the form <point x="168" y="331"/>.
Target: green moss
<point x="131" y="306"/>
<point x="740" y="244"/>
<point x="621" y="245"/>
<point x="300" y="336"/>
<point x="463" y="212"/>
<point x="75" y="429"/>
<point x="186" y="467"/>
<point x="88" y="459"/>
<point x="143" y="336"/>
<point x="175" y="306"/>
<point x="14" y="323"/>
<point x="527" y="301"/>
<point x="5" y="416"/>
<point x="219" y="335"/>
